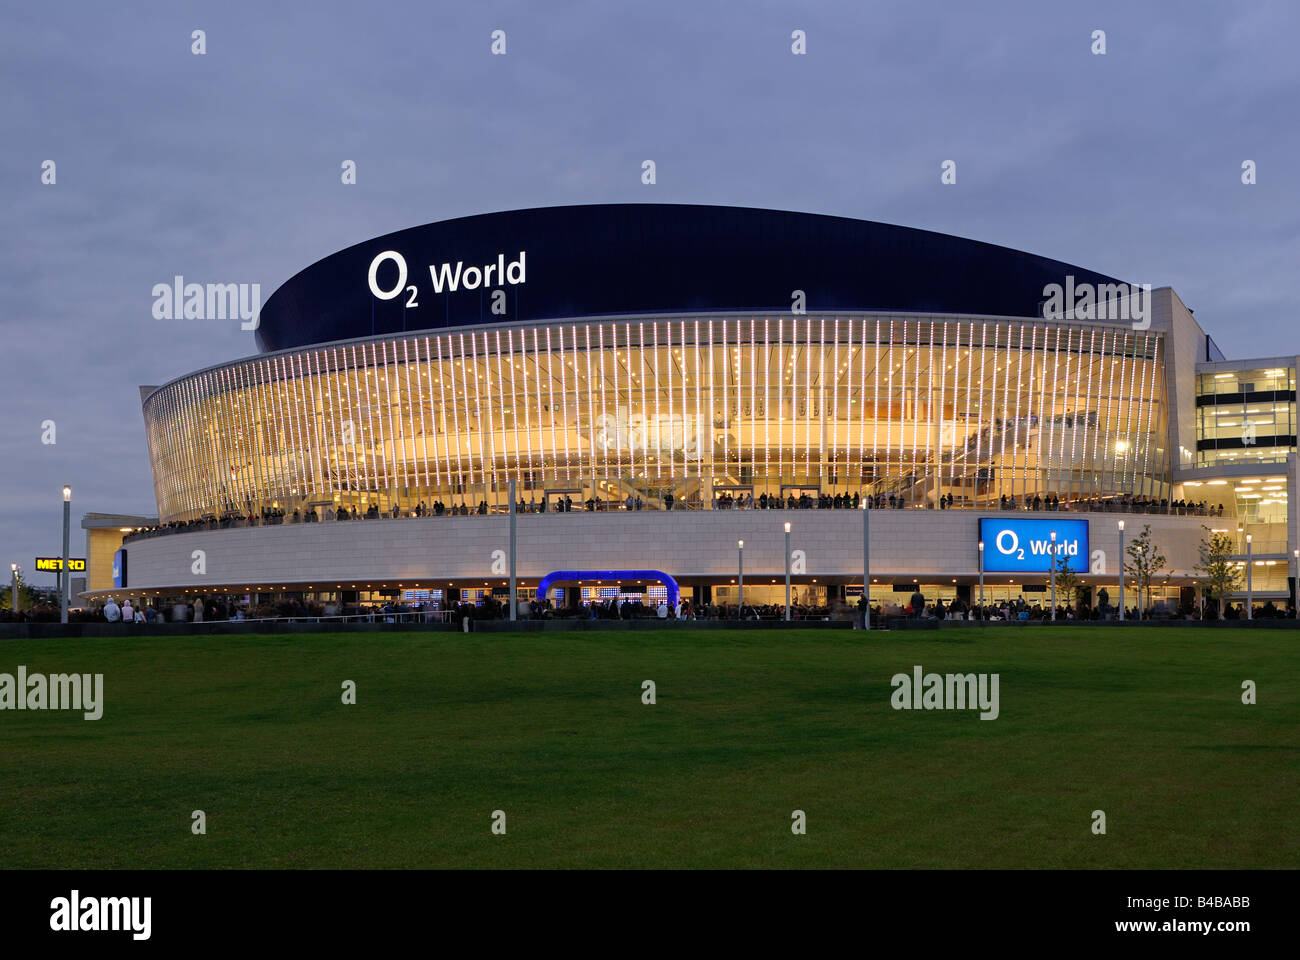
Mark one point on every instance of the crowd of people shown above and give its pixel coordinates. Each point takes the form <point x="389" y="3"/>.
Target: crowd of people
<point x="683" y="609"/>
<point x="1019" y="609"/>
<point x="228" y="608"/>
<point x="157" y="611"/>
<point x="723" y="500"/>
<point x="822" y="501"/>
<point x="1124" y="504"/>
<point x="212" y="609"/>
<point x="917" y="607"/>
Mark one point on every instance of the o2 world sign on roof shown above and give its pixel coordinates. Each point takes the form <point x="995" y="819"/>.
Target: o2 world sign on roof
<point x="444" y="277"/>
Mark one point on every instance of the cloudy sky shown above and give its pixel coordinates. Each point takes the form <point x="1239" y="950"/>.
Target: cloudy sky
<point x="225" y="167"/>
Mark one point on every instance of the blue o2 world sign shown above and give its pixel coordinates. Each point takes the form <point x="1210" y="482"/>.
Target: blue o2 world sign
<point x="1024" y="545"/>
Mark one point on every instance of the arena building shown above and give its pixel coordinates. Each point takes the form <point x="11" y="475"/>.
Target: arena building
<point x="671" y="374"/>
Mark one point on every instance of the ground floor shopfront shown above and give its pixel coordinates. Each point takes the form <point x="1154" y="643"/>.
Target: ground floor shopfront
<point x="450" y="559"/>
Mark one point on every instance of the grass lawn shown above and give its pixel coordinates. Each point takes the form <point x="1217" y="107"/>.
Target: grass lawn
<point x="1145" y="724"/>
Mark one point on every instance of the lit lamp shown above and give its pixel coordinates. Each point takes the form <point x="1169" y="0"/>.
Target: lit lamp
<point x="981" y="545"/>
<point x="13" y="572"/>
<point x="63" y="574"/>
<point x="787" y="570"/>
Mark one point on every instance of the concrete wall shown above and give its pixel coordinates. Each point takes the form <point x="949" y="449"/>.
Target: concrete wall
<point x="685" y="544"/>
<point x="100" y="547"/>
<point x="1184" y="347"/>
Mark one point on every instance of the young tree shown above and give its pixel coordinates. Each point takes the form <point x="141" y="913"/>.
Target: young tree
<point x="1222" y="574"/>
<point x="1067" y="581"/>
<point x="1144" y="561"/>
<point x="27" y="596"/>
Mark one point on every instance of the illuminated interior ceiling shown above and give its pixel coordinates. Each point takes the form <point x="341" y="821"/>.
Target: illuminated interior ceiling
<point x="918" y="407"/>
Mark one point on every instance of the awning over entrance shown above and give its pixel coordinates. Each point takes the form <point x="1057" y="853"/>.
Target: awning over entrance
<point x="573" y="576"/>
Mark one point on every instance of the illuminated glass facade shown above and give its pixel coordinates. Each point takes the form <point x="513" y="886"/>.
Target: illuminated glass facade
<point x="1245" y="415"/>
<point x="917" y="407"/>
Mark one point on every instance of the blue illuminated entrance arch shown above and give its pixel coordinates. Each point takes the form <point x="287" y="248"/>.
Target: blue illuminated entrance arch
<point x="564" y="576"/>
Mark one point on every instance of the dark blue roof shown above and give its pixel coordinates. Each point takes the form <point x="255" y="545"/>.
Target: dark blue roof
<point x="633" y="258"/>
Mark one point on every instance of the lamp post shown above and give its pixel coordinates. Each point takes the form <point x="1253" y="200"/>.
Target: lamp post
<point x="981" y="574"/>
<point x="1250" y="588"/>
<point x="866" y="564"/>
<point x="514" y="602"/>
<point x="787" y="571"/>
<point x="13" y="572"/>
<point x="1121" y="570"/>
<point x="67" y="521"/>
<point x="1053" y="575"/>
<point x="740" y="565"/>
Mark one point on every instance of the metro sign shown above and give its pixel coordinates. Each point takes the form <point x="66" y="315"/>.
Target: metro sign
<point x="55" y="564"/>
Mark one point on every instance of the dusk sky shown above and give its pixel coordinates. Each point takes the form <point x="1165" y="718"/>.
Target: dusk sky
<point x="225" y="167"/>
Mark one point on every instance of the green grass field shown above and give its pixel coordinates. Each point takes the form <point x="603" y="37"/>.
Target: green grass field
<point x="1145" y="724"/>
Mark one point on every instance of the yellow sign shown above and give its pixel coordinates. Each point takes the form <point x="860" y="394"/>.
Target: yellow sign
<point x="55" y="564"/>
